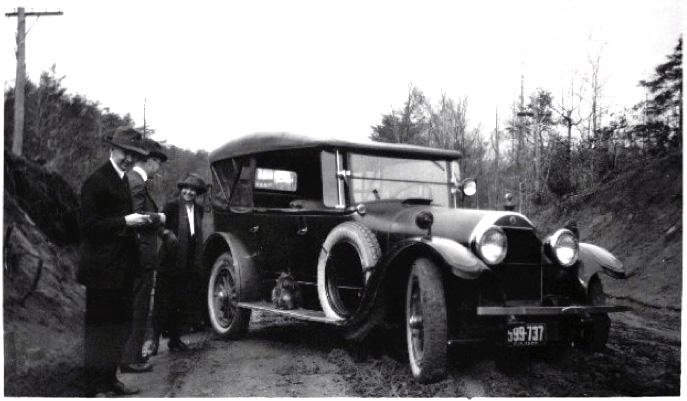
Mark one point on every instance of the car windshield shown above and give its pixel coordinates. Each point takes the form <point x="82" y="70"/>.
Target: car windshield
<point x="387" y="178"/>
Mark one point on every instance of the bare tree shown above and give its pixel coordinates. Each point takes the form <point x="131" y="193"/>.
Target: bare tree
<point x="568" y="108"/>
<point x="595" y="83"/>
<point x="495" y="144"/>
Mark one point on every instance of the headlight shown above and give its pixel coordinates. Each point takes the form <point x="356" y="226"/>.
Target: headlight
<point x="491" y="245"/>
<point x="469" y="186"/>
<point x="563" y="247"/>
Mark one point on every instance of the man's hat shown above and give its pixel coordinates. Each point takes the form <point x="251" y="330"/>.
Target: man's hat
<point x="127" y="138"/>
<point x="193" y="181"/>
<point x="154" y="149"/>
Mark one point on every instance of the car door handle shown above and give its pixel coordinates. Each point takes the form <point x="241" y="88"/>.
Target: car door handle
<point x="254" y="229"/>
<point x="302" y="231"/>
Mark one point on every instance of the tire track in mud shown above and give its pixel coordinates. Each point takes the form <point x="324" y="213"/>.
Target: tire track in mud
<point x="283" y="358"/>
<point x="183" y="365"/>
<point x="274" y="360"/>
<point x="635" y="363"/>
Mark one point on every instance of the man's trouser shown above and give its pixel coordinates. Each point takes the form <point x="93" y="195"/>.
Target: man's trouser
<point x="107" y="327"/>
<point x="143" y="285"/>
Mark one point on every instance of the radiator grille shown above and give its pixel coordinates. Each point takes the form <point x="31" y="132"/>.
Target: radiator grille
<point x="520" y="273"/>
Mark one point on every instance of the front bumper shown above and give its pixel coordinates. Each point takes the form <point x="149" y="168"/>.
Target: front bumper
<point x="547" y="310"/>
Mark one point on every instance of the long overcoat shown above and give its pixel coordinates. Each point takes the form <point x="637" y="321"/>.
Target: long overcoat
<point x="108" y="250"/>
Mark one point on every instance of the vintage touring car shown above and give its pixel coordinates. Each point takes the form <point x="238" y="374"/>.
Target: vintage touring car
<point x="372" y="233"/>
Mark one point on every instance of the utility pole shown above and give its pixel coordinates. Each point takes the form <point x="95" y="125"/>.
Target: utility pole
<point x="18" y="135"/>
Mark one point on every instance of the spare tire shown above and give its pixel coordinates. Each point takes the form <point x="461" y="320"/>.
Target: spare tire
<point x="348" y="255"/>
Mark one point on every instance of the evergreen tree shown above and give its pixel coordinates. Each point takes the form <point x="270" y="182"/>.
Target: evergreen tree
<point x="663" y="125"/>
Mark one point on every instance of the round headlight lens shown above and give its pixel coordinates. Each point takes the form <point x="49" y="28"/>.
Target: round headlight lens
<point x="492" y="245"/>
<point x="469" y="187"/>
<point x="565" y="247"/>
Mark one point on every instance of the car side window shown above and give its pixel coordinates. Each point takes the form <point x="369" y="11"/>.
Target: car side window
<point x="231" y="183"/>
<point x="329" y="180"/>
<point x="220" y="193"/>
<point x="242" y="194"/>
<point x="288" y="180"/>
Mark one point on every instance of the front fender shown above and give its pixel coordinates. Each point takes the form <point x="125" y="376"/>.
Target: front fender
<point x="463" y="263"/>
<point x="385" y="276"/>
<point x="244" y="263"/>
<point x="593" y="259"/>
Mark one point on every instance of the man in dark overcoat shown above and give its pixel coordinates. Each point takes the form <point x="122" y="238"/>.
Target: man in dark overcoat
<point x="145" y="167"/>
<point x="178" y="278"/>
<point x="108" y="263"/>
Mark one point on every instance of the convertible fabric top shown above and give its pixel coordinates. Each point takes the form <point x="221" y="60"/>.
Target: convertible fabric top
<point x="270" y="141"/>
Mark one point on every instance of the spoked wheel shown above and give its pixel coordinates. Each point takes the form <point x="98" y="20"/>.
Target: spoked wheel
<point x="226" y="318"/>
<point x="426" y="329"/>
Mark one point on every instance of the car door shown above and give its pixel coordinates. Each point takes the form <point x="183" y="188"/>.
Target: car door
<point x="274" y="229"/>
<point x="316" y="218"/>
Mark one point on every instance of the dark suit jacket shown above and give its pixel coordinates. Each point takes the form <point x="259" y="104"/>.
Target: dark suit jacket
<point x="146" y="237"/>
<point x="173" y="258"/>
<point x="108" y="251"/>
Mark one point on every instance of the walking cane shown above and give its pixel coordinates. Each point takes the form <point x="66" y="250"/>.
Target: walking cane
<point x="148" y="345"/>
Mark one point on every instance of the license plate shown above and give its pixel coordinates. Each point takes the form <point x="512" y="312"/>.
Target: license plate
<point x="526" y="334"/>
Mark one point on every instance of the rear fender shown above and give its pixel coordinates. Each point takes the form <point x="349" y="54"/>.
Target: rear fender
<point x="593" y="259"/>
<point x="244" y="263"/>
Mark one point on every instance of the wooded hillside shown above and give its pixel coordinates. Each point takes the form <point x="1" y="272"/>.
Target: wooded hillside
<point x="550" y="146"/>
<point x="64" y="133"/>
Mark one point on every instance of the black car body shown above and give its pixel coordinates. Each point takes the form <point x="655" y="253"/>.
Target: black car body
<point x="360" y="234"/>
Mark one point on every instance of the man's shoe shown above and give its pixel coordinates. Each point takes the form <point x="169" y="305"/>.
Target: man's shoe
<point x="120" y="388"/>
<point x="141" y="367"/>
<point x="177" y="345"/>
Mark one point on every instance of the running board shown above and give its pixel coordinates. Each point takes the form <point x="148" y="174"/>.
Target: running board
<point x="299" y="313"/>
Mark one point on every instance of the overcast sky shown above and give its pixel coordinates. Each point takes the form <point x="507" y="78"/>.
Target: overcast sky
<point x="211" y="71"/>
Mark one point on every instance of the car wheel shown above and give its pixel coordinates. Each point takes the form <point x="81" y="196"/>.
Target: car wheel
<point x="595" y="336"/>
<point x="226" y="318"/>
<point x="426" y="327"/>
<point x="348" y="254"/>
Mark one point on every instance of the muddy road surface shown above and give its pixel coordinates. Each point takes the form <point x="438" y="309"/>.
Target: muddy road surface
<point x="287" y="358"/>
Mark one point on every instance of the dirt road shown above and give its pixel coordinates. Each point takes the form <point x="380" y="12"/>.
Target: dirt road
<point x="291" y="359"/>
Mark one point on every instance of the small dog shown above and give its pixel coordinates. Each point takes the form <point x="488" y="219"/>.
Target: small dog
<point x="286" y="294"/>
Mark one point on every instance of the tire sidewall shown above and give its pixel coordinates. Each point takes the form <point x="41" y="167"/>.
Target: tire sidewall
<point x="367" y="248"/>
<point x="435" y="330"/>
<point x="596" y="338"/>
<point x="225" y="261"/>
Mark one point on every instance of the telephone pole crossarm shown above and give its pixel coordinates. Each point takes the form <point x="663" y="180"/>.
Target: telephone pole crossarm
<point x="35" y="14"/>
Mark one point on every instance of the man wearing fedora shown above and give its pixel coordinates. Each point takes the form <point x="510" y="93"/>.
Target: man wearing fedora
<point x="145" y="167"/>
<point x="179" y="258"/>
<point x="109" y="262"/>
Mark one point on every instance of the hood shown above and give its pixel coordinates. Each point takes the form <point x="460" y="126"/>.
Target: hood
<point x="456" y="224"/>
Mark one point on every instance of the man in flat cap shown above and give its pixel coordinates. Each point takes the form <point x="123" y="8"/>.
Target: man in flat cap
<point x="109" y="262"/>
<point x="145" y="168"/>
